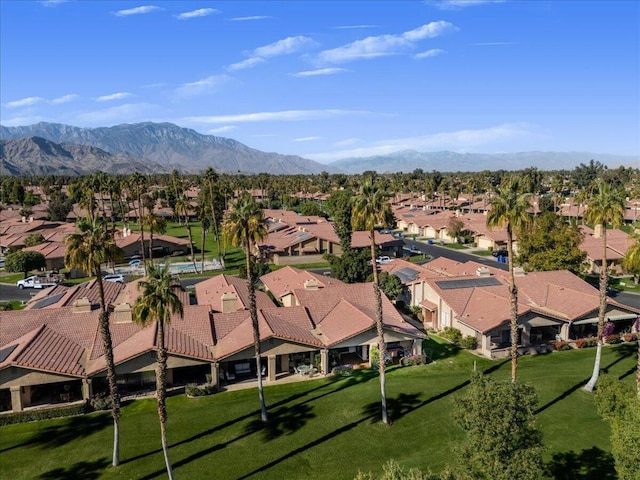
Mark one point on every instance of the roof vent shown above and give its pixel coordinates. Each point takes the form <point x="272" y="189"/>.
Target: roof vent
<point x="483" y="272"/>
<point x="122" y="313"/>
<point x="519" y="272"/>
<point x="311" y="284"/>
<point x="82" y="305"/>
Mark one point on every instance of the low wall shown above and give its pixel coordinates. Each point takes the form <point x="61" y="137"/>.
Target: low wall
<point x="297" y="260"/>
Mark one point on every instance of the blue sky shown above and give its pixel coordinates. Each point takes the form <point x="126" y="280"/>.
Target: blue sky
<point x="328" y="80"/>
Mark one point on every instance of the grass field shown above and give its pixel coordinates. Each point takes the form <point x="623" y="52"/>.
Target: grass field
<point x="324" y="429"/>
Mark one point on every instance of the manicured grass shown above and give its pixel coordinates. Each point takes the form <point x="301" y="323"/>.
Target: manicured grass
<point x="324" y="428"/>
<point x="11" y="278"/>
<point x="482" y="253"/>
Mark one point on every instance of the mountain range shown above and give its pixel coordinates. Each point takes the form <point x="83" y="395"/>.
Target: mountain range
<point x="446" y="161"/>
<point x="168" y="146"/>
<point x="52" y="148"/>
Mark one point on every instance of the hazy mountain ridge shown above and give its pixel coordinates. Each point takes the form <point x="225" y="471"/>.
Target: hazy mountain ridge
<point x="39" y="156"/>
<point x="171" y="146"/>
<point x="447" y="161"/>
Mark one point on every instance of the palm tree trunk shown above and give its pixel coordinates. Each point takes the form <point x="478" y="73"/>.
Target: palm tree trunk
<point x="188" y="225"/>
<point x="204" y="237"/>
<point x="591" y="385"/>
<point x="513" y="293"/>
<point x="214" y="218"/>
<point x="256" y="332"/>
<point x="161" y="393"/>
<point x="105" y="333"/>
<point x="638" y="369"/>
<point x="151" y="244"/>
<point x="141" y="225"/>
<point x="382" y="346"/>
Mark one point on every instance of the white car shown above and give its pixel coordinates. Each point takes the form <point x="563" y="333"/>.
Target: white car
<point x="383" y="259"/>
<point x="115" y="278"/>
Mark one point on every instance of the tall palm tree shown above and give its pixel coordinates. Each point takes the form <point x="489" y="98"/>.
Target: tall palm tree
<point x="87" y="250"/>
<point x="183" y="206"/>
<point x="371" y="208"/>
<point x="244" y="226"/>
<point x="605" y="206"/>
<point x="139" y="185"/>
<point x="509" y="209"/>
<point x="157" y="303"/>
<point x="154" y="224"/>
<point x="211" y="178"/>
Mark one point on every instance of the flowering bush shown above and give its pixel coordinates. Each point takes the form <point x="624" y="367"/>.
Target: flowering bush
<point x="561" y="345"/>
<point x="411" y="360"/>
<point x="608" y="329"/>
<point x="629" y="337"/>
<point x="611" y="339"/>
<point x="580" y="343"/>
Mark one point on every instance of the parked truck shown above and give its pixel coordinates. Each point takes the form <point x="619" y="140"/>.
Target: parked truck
<point x="38" y="281"/>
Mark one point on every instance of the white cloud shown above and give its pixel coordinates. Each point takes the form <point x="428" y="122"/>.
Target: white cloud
<point x="348" y="27"/>
<point x="136" y="11"/>
<point x="282" y="116"/>
<point x="347" y="142"/>
<point x="64" y="99"/>
<point x="24" y="102"/>
<point x="119" y="114"/>
<point x="306" y="139"/>
<point x="384" y="45"/>
<point x="429" y="53"/>
<point x="113" y="96"/>
<point x="457" y="140"/>
<point x="285" y="46"/>
<point x="458" y="4"/>
<point x="226" y="128"/>
<point x="248" y="19"/>
<point x="248" y="63"/>
<point x="201" y="12"/>
<point x="206" y="85"/>
<point x="320" y="71"/>
<point x="53" y="3"/>
<point x="21" y="121"/>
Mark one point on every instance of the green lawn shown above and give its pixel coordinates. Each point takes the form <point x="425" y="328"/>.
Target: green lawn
<point x="322" y="429"/>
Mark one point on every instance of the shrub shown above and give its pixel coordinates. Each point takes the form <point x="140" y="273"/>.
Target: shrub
<point x="101" y="401"/>
<point x="629" y="337"/>
<point x="608" y="329"/>
<point x="561" y="345"/>
<point x="452" y="334"/>
<point x="35" y="415"/>
<point x="612" y="339"/>
<point x="411" y="360"/>
<point x="469" y="342"/>
<point x="591" y="342"/>
<point x="580" y="342"/>
<point x="195" y="390"/>
<point x="342" y="371"/>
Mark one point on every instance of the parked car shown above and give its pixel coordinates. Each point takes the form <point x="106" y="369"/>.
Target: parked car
<point x="135" y="262"/>
<point x="501" y="252"/>
<point x="383" y="259"/>
<point x="116" y="278"/>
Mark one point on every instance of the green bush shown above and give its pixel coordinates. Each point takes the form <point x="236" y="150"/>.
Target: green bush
<point x="195" y="390"/>
<point x="342" y="371"/>
<point x="411" y="360"/>
<point x="452" y="334"/>
<point x="612" y="339"/>
<point x="469" y="342"/>
<point x="45" y="414"/>
<point x="101" y="401"/>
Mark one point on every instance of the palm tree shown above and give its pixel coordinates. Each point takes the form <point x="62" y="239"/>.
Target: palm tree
<point x="211" y="178"/>
<point x="244" y="226"/>
<point x="371" y="208"/>
<point x="509" y="209"/>
<point x="154" y="224"/>
<point x="87" y="249"/>
<point x="183" y="206"/>
<point x="157" y="304"/>
<point x="138" y="183"/>
<point x="606" y="205"/>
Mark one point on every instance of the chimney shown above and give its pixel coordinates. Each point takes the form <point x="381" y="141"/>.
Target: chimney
<point x="311" y="284"/>
<point x="597" y="231"/>
<point x="483" y="272"/>
<point x="122" y="313"/>
<point x="229" y="302"/>
<point x="82" y="305"/>
<point x="518" y="272"/>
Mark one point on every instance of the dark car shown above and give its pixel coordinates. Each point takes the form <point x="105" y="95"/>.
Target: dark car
<point x="501" y="252"/>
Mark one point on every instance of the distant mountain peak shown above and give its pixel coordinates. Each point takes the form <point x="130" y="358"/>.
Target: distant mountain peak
<point x="169" y="146"/>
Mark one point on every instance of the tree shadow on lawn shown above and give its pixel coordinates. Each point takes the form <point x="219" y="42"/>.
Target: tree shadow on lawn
<point x="622" y="352"/>
<point x="283" y="423"/>
<point x="72" y="429"/>
<point x="84" y="470"/>
<point x="589" y="464"/>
